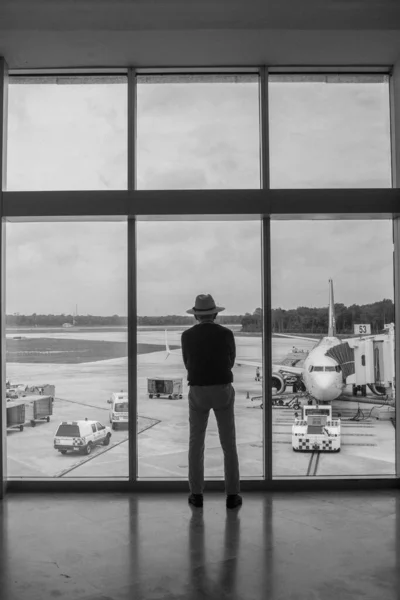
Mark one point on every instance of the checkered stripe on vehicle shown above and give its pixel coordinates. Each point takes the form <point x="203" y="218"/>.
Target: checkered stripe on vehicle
<point x="76" y="441"/>
<point x="306" y="444"/>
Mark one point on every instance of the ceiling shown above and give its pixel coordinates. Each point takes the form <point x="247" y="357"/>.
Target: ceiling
<point x="111" y="33"/>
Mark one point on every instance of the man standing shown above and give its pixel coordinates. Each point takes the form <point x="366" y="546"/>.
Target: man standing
<point x="209" y="353"/>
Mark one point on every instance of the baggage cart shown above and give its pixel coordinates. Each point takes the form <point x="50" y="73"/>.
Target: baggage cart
<point x="15" y="415"/>
<point x="158" y="387"/>
<point x="37" y="408"/>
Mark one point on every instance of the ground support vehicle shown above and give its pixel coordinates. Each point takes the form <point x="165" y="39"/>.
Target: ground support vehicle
<point x="316" y="430"/>
<point x="119" y="409"/>
<point x="280" y="401"/>
<point x="81" y="436"/>
<point x="15" y="414"/>
<point x="37" y="408"/>
<point x="159" y="387"/>
<point x="286" y="402"/>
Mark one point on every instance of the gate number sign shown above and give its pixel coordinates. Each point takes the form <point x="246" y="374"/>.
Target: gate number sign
<point x="362" y="329"/>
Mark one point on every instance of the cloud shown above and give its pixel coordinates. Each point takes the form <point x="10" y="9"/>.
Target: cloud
<point x="197" y="136"/>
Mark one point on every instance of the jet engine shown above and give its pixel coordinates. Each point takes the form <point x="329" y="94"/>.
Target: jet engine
<point x="278" y="383"/>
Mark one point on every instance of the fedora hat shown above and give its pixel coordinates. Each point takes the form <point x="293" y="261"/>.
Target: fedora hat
<point x="204" y="305"/>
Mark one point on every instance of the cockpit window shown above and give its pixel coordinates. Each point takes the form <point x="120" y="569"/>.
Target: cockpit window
<point x="330" y="369"/>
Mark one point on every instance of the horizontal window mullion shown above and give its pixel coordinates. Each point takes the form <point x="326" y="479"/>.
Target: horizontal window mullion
<point x="378" y="202"/>
<point x="303" y="203"/>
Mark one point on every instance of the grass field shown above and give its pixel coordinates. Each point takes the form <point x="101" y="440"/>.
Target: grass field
<point x="73" y="351"/>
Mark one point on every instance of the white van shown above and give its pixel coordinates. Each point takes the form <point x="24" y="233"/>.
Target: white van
<point x="80" y="436"/>
<point x="118" y="408"/>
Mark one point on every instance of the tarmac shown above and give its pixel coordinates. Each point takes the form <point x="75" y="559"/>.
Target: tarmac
<point x="368" y="443"/>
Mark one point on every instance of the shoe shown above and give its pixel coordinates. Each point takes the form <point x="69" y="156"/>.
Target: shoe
<point x="196" y="500"/>
<point x="233" y="501"/>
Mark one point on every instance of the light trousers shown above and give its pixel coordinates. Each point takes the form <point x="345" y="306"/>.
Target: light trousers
<point x="220" y="398"/>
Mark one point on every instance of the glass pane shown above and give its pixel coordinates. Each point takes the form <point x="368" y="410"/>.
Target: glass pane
<point x="66" y="343"/>
<point x="198" y="132"/>
<point x="329" y="131"/>
<point x="176" y="262"/>
<point x="333" y="348"/>
<point x="67" y="133"/>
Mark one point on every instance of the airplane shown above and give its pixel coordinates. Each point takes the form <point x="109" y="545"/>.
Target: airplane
<point x="326" y="366"/>
<point x="323" y="372"/>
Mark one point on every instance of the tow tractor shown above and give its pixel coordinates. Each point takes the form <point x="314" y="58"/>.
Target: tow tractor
<point x="316" y="430"/>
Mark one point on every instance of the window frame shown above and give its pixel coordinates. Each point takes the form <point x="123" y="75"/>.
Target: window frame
<point x="264" y="204"/>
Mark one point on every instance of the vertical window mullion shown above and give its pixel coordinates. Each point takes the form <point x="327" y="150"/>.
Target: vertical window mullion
<point x="394" y="98"/>
<point x="132" y="283"/>
<point x="3" y="163"/>
<point x="266" y="279"/>
<point x="396" y="273"/>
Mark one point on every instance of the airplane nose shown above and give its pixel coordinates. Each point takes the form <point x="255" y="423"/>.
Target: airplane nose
<point x="326" y="388"/>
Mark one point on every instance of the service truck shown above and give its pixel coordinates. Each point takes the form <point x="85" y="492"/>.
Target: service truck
<point x="119" y="412"/>
<point x="316" y="430"/>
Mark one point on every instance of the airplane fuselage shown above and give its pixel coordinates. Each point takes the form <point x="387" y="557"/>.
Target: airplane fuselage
<point x="322" y="375"/>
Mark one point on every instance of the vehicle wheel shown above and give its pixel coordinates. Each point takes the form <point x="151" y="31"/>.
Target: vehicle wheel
<point x="180" y="396"/>
<point x="21" y="427"/>
<point x="33" y="424"/>
<point x="170" y="397"/>
<point x="88" y="448"/>
<point x="363" y="390"/>
<point x="158" y="395"/>
<point x="150" y="395"/>
<point x="114" y="426"/>
<point x="281" y="402"/>
<point x="355" y="390"/>
<point x="48" y="419"/>
<point x="63" y="451"/>
<point x="106" y="440"/>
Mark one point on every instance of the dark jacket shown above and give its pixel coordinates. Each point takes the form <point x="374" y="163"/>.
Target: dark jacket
<point x="209" y="354"/>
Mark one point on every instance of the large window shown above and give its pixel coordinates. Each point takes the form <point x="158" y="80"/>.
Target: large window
<point x="198" y="132"/>
<point x="66" y="349"/>
<point x="67" y="133"/>
<point x="177" y="261"/>
<point x="329" y="131"/>
<point x="348" y="265"/>
<point x="126" y="195"/>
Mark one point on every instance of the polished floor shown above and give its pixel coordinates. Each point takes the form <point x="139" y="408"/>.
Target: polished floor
<point x="286" y="546"/>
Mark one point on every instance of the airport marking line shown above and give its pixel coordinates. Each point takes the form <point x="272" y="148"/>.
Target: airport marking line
<point x="89" y="458"/>
<point x="102" y="451"/>
<point x="313" y="464"/>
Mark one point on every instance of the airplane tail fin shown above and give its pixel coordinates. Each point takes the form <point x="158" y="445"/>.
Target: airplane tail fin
<point x="332" y="319"/>
<point x="167" y="348"/>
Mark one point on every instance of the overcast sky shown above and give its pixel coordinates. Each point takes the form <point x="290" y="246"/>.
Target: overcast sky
<point x="197" y="135"/>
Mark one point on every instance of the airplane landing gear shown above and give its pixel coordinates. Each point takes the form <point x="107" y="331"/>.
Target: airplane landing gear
<point x="359" y="388"/>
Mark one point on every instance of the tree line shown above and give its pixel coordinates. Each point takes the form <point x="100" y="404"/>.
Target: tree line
<point x="36" y="320"/>
<point x="315" y="320"/>
<point x="302" y="319"/>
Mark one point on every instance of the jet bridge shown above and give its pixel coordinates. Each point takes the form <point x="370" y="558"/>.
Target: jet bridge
<point x="374" y="362"/>
<point x="368" y="361"/>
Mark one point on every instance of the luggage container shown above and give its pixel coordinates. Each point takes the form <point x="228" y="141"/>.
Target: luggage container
<point x="159" y="387"/>
<point x="15" y="415"/>
<point x="38" y="408"/>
